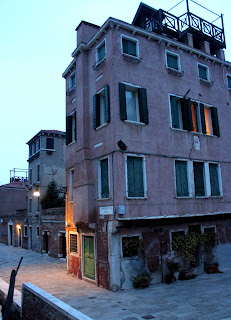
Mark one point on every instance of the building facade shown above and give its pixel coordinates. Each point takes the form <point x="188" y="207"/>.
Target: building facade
<point x="148" y="149"/>
<point x="46" y="163"/>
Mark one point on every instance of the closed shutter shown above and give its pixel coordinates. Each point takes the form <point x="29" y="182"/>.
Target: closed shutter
<point x="68" y="129"/>
<point x="214" y="180"/>
<point x="174" y="112"/>
<point x="96" y="111"/>
<point x="181" y="178"/>
<point x="186" y="114"/>
<point x="104" y="179"/>
<point x="198" y="168"/>
<point x="172" y="61"/>
<point x="135" y="177"/>
<point x="123" y="112"/>
<point x="129" y="47"/>
<point x="202" y="114"/>
<point x="216" y="129"/>
<point x="143" y="105"/>
<point x="50" y="143"/>
<point x="107" y="103"/>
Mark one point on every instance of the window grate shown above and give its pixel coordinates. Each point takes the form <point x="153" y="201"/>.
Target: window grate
<point x="73" y="243"/>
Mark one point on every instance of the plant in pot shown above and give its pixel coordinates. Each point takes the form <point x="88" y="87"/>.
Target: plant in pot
<point x="142" y="281"/>
<point x="209" y="239"/>
<point x="173" y="266"/>
<point x="185" y="247"/>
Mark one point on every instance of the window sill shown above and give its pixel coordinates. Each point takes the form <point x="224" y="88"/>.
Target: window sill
<point x="175" y="72"/>
<point x="182" y="197"/>
<point x="71" y="91"/>
<point x="131" y="58"/>
<point x="70" y="201"/>
<point x="99" y="64"/>
<point x="136" y="198"/>
<point x="214" y="197"/>
<point x="194" y="132"/>
<point x="135" y="122"/>
<point x="74" y="254"/>
<point x="202" y="197"/>
<point x="102" y="126"/>
<point x="103" y="199"/>
<point x="206" y="82"/>
<point x="72" y="142"/>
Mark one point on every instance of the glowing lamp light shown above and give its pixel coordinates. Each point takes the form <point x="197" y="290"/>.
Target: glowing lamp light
<point x="36" y="193"/>
<point x="18" y="226"/>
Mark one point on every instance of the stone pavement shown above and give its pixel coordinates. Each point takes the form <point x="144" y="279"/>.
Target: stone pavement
<point x="207" y="297"/>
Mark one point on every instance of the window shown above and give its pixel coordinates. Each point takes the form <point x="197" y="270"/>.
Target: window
<point x="101" y="107"/>
<point x="133" y="103"/>
<point x="25" y="231"/>
<point x="71" y="128"/>
<point x="72" y="81"/>
<point x="30" y="150"/>
<point x="173" y="60"/>
<point x="103" y="179"/>
<point x="50" y="143"/>
<point x="100" y="52"/>
<point x="38" y="205"/>
<point x="71" y="175"/>
<point x="135" y="177"/>
<point x="130" y="46"/>
<point x="214" y="179"/>
<point x="229" y="81"/>
<point x="199" y="179"/>
<point x="30" y="205"/>
<point x="37" y="231"/>
<point x="175" y="235"/>
<point x="181" y="173"/>
<point x="30" y="177"/>
<point x="38" y="173"/>
<point x="194" y="116"/>
<point x="39" y="144"/>
<point x="34" y="147"/>
<point x="73" y="243"/>
<point x="203" y="72"/>
<point x="130" y="246"/>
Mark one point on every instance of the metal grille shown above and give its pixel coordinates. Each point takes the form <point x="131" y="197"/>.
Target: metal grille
<point x="73" y="243"/>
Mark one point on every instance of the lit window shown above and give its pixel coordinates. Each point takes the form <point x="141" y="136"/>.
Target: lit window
<point x="203" y="72"/>
<point x="173" y="61"/>
<point x="101" y="107"/>
<point x="130" y="46"/>
<point x="72" y="81"/>
<point x="100" y="52"/>
<point x="71" y="128"/>
<point x="133" y="103"/>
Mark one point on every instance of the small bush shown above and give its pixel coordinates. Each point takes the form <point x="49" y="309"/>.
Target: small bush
<point x="142" y="281"/>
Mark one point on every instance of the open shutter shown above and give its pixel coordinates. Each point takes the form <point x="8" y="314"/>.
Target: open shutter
<point x="96" y="111"/>
<point x="186" y="114"/>
<point x="216" y="129"/>
<point x="68" y="129"/>
<point x="174" y="112"/>
<point x="202" y="114"/>
<point x="123" y="112"/>
<point x="107" y="103"/>
<point x="143" y="106"/>
<point x="75" y="125"/>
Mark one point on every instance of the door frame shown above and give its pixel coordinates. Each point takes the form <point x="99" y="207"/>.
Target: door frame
<point x="82" y="255"/>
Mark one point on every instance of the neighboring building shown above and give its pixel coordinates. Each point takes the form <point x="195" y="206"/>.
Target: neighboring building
<point x="148" y="151"/>
<point x="13" y="209"/>
<point x="46" y="163"/>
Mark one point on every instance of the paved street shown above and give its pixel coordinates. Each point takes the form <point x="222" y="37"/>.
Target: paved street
<point x="207" y="297"/>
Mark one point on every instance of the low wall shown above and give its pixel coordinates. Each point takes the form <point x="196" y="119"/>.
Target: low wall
<point x="16" y="306"/>
<point x="38" y="304"/>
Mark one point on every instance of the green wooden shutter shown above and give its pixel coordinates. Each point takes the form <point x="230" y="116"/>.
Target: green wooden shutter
<point x="181" y="178"/>
<point x="96" y="111"/>
<point x="68" y="129"/>
<point x="202" y="114"/>
<point x="172" y="61"/>
<point x="135" y="177"/>
<point x="104" y="179"/>
<point x="186" y="114"/>
<point x="174" y="112"/>
<point x="198" y="168"/>
<point x="214" y="180"/>
<point x="75" y="126"/>
<point x="129" y="47"/>
<point x="143" y="105"/>
<point x="123" y="112"/>
<point x="107" y="103"/>
<point x="216" y="129"/>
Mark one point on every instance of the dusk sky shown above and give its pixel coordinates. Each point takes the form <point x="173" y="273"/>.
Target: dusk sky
<point x="37" y="39"/>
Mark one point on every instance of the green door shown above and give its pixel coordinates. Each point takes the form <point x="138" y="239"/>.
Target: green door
<point x="89" y="257"/>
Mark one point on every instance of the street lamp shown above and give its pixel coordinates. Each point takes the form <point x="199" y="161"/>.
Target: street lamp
<point x="36" y="193"/>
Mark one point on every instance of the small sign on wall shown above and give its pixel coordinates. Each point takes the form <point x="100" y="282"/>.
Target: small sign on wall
<point x="121" y="209"/>
<point x="106" y="210"/>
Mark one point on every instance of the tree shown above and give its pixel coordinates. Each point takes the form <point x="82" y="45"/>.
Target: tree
<point x="52" y="198"/>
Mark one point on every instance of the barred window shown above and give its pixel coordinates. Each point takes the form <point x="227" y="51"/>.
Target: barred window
<point x="73" y="243"/>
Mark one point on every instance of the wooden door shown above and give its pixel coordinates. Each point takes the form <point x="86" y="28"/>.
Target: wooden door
<point x="89" y="257"/>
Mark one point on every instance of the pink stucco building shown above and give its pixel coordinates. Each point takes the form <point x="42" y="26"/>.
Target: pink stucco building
<point x="148" y="148"/>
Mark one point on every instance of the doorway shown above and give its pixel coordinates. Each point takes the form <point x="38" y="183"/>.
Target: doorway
<point x="45" y="242"/>
<point x="62" y="245"/>
<point x="19" y="237"/>
<point x="10" y="234"/>
<point x="89" y="257"/>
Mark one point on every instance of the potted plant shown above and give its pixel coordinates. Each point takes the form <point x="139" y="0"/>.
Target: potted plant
<point x="142" y="281"/>
<point x="173" y="266"/>
<point x="209" y="242"/>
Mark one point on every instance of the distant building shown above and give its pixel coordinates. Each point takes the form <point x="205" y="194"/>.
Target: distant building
<point x="46" y="163"/>
<point x="148" y="154"/>
<point x="13" y="209"/>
